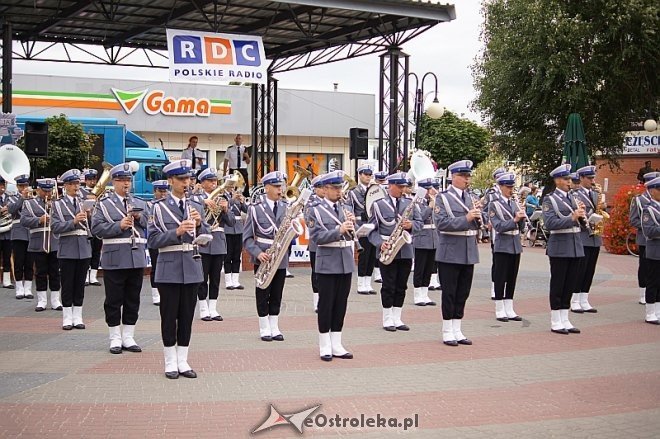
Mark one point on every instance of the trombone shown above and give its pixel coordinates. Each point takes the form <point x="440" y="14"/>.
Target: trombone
<point x="48" y="209"/>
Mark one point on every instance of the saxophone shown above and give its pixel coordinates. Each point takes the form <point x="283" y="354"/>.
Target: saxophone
<point x="598" y="228"/>
<point x="288" y="229"/>
<point x="399" y="236"/>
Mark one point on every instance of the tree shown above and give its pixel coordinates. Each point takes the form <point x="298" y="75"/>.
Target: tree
<point x="451" y="138"/>
<point x="69" y="147"/>
<point x="544" y="59"/>
<point x="482" y="177"/>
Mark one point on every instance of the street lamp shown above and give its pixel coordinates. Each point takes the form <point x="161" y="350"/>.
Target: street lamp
<point x="650" y="125"/>
<point x="434" y="110"/>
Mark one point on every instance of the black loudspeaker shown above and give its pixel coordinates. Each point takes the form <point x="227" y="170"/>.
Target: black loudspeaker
<point x="359" y="143"/>
<point x="36" y="139"/>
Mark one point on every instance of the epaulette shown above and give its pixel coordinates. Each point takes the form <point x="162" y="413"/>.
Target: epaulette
<point x="158" y="200"/>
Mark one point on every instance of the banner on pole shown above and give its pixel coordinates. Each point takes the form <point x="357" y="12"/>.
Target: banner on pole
<point x="213" y="57"/>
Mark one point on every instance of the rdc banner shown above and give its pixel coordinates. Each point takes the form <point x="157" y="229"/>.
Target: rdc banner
<point x="209" y="57"/>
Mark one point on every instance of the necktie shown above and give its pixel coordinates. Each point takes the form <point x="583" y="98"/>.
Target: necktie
<point x="194" y="162"/>
<point x="125" y="205"/>
<point x="181" y="206"/>
<point x="275" y="209"/>
<point x="463" y="196"/>
<point x="240" y="158"/>
<point x="75" y="204"/>
<point x="336" y="209"/>
<point x="397" y="204"/>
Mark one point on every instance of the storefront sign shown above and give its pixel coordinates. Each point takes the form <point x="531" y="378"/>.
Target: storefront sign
<point x="641" y="142"/>
<point x="213" y="57"/>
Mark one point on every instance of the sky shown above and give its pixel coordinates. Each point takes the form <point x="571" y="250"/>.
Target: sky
<point x="447" y="50"/>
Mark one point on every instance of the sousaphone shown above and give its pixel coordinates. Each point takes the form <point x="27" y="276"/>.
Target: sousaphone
<point x="13" y="162"/>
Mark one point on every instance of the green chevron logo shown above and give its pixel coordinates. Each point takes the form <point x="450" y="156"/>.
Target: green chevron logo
<point x="129" y="100"/>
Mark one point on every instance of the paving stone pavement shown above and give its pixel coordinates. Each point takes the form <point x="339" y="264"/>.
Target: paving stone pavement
<point x="517" y="380"/>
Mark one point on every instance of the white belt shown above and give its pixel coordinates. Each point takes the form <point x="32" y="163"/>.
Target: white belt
<point x="217" y="229"/>
<point x="265" y="241"/>
<point x="510" y="232"/>
<point x="337" y="244"/>
<point x="429" y="226"/>
<point x="384" y="237"/>
<point x="570" y="230"/>
<point x="124" y="241"/>
<point x="238" y="217"/>
<point x="78" y="232"/>
<point x="462" y="233"/>
<point x="185" y="247"/>
<point x="39" y="230"/>
<point x="16" y="221"/>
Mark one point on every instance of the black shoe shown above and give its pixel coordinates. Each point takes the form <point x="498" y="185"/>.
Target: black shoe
<point x="59" y="308"/>
<point x="188" y="374"/>
<point x="231" y="288"/>
<point x="465" y="342"/>
<point x="364" y="293"/>
<point x="241" y="287"/>
<point x="207" y="318"/>
<point x="403" y="328"/>
<point x="389" y="328"/>
<point x="86" y="283"/>
<point x="577" y="311"/>
<point x="420" y="304"/>
<point x="134" y="348"/>
<point x="326" y="357"/>
<point x="115" y="350"/>
<point x="492" y="298"/>
<point x="40" y="308"/>
<point x="217" y="318"/>
<point x="346" y="356"/>
<point x="592" y="310"/>
<point x="79" y="326"/>
<point x="502" y="319"/>
<point x="431" y="303"/>
<point x="451" y="343"/>
<point x="560" y="331"/>
<point x="289" y="276"/>
<point x="379" y="281"/>
<point x="278" y="337"/>
<point x="67" y="327"/>
<point x="516" y="319"/>
<point x="157" y="304"/>
<point x="266" y="338"/>
<point x="9" y="287"/>
<point x="431" y="288"/>
<point x="172" y="375"/>
<point x="28" y="296"/>
<point x="573" y="331"/>
<point x="96" y="284"/>
<point x="19" y="297"/>
<point x="653" y="322"/>
<point x="372" y="292"/>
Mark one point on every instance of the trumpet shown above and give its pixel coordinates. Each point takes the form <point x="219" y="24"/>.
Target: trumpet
<point x="130" y="210"/>
<point x="476" y="204"/>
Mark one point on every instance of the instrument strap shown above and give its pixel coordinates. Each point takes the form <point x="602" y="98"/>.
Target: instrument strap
<point x="355" y="199"/>
<point x="330" y="212"/>
<point x="36" y="203"/>
<point x="270" y="220"/>
<point x="499" y="206"/>
<point x="445" y="202"/>
<point x="459" y="201"/>
<point x="585" y="195"/>
<point x="553" y="199"/>
<point x="653" y="210"/>
<point x="376" y="209"/>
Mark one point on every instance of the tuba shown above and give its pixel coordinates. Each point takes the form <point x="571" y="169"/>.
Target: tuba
<point x="289" y="228"/>
<point x="421" y="167"/>
<point x="13" y="162"/>
<point x="218" y="192"/>
<point x="600" y="212"/>
<point x="293" y="191"/>
<point x="102" y="182"/>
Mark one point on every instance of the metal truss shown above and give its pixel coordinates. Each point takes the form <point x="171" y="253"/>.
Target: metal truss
<point x="264" y="129"/>
<point x="394" y="110"/>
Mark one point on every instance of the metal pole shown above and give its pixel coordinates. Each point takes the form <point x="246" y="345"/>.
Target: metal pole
<point x="406" y="66"/>
<point x="255" y="132"/>
<point x="381" y="116"/>
<point x="6" y="68"/>
<point x="394" y="107"/>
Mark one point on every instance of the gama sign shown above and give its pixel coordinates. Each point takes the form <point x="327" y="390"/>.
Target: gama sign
<point x="158" y="102"/>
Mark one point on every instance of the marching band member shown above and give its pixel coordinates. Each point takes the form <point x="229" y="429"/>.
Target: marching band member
<point x="23" y="263"/>
<point x="367" y="257"/>
<point x="651" y="230"/>
<point x="314" y="199"/>
<point x="74" y="249"/>
<point x="386" y="217"/>
<point x="91" y="176"/>
<point x="264" y="218"/>
<point x="5" y="238"/>
<point x="425" y="242"/>
<point x="118" y="221"/>
<point x="434" y="283"/>
<point x="637" y="204"/>
<point x="575" y="181"/>
<point x="561" y="216"/>
<point x="457" y="220"/>
<point x="507" y="220"/>
<point x="331" y="226"/>
<point x="213" y="254"/>
<point x="160" y="191"/>
<point x="380" y="178"/>
<point x="590" y="242"/>
<point x="234" y="236"/>
<point x="176" y="221"/>
<point x="35" y="216"/>
<point x="492" y="194"/>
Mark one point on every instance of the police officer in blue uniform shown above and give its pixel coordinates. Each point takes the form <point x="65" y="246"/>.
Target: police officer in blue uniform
<point x="386" y="216"/>
<point x="74" y="250"/>
<point x="591" y="242"/>
<point x="91" y="176"/>
<point x="434" y="283"/>
<point x="36" y="216"/>
<point x="262" y="222"/>
<point x="23" y="263"/>
<point x="5" y="238"/>
<point x="120" y="220"/>
<point x="213" y="255"/>
<point x="492" y="194"/>
<point x="314" y="199"/>
<point x="380" y="178"/>
<point x="160" y="191"/>
<point x="177" y="220"/>
<point x="367" y="257"/>
<point x="425" y="242"/>
<point x="637" y="204"/>
<point x="332" y="228"/>
<point x="507" y="220"/>
<point x="234" y="237"/>
<point x="562" y="218"/>
<point x="651" y="230"/>
<point x="457" y="220"/>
